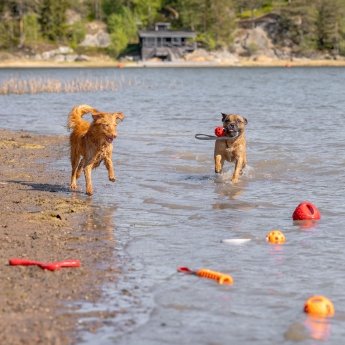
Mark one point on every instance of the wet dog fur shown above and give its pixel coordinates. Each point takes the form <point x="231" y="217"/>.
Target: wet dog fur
<point x="91" y="143"/>
<point x="233" y="149"/>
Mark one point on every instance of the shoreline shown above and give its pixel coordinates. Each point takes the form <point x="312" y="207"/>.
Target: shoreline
<point x="106" y="63"/>
<point x="41" y="220"/>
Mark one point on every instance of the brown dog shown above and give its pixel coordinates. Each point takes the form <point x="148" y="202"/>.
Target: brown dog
<point x="234" y="148"/>
<point x="91" y="143"/>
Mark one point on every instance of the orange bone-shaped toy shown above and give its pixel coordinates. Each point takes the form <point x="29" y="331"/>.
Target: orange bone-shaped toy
<point x="221" y="278"/>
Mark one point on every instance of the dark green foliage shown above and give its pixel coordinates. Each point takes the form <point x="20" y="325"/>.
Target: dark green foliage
<point x="75" y="34"/>
<point x="306" y="26"/>
<point x="330" y="29"/>
<point x="123" y="30"/>
<point x="52" y="18"/>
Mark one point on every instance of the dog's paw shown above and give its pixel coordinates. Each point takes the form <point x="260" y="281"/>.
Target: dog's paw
<point x="234" y="180"/>
<point x="74" y="187"/>
<point x="112" y="179"/>
<point x="89" y="191"/>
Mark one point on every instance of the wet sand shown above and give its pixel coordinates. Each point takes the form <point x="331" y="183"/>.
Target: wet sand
<point x="99" y="62"/>
<point x="42" y="220"/>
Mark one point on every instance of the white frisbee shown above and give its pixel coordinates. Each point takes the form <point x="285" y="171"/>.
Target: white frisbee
<point x="236" y="240"/>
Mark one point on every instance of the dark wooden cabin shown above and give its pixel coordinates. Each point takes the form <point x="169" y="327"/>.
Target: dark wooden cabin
<point x="165" y="44"/>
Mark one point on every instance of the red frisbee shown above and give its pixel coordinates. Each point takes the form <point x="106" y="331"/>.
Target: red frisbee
<point x="51" y="266"/>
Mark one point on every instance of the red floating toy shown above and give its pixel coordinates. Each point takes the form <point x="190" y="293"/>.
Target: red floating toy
<point x="51" y="266"/>
<point x="219" y="132"/>
<point x="306" y="211"/>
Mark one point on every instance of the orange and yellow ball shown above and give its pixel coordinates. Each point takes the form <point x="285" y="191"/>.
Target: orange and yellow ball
<point x="275" y="237"/>
<point x="319" y="306"/>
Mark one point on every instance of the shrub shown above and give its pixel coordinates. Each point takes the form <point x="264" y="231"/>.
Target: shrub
<point x="31" y="28"/>
<point x="76" y="33"/>
<point x="123" y="30"/>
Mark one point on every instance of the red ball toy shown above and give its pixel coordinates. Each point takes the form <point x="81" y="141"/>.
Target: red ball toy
<point x="219" y="131"/>
<point x="306" y="211"/>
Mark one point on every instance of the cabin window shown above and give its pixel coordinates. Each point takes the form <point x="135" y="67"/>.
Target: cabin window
<point x="162" y="26"/>
<point x="149" y="42"/>
<point x="167" y="41"/>
<point x="176" y="41"/>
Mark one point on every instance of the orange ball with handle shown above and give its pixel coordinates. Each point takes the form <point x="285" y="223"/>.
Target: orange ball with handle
<point x="319" y="306"/>
<point x="306" y="211"/>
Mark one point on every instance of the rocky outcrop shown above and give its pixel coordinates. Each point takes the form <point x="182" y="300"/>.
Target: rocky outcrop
<point x="97" y="36"/>
<point x="218" y="57"/>
<point x="267" y="36"/>
<point x="252" y="43"/>
<point x="257" y="37"/>
<point x="61" y="54"/>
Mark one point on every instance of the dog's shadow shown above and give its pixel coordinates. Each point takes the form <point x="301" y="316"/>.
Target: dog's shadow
<point x="43" y="187"/>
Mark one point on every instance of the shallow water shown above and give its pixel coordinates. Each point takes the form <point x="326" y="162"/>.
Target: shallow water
<point x="168" y="209"/>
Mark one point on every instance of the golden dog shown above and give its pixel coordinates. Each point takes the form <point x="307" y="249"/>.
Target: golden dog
<point x="234" y="148"/>
<point x="91" y="143"/>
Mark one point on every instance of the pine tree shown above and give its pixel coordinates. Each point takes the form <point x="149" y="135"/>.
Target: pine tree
<point x="329" y="24"/>
<point x="300" y="25"/>
<point x="52" y="18"/>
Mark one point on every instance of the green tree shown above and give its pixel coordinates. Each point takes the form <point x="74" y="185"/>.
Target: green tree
<point x="110" y="7"/>
<point x="222" y="22"/>
<point x="95" y="9"/>
<point x="146" y="11"/>
<point x="32" y="28"/>
<point x="123" y="30"/>
<point x="251" y="5"/>
<point x="52" y="18"/>
<point x="19" y="16"/>
<point x="214" y="21"/>
<point x="330" y="28"/>
<point x="75" y="33"/>
<point x="299" y="25"/>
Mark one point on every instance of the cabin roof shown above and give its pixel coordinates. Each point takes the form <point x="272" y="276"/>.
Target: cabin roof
<point x="166" y="33"/>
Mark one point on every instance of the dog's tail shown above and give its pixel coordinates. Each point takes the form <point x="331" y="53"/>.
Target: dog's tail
<point x="76" y="114"/>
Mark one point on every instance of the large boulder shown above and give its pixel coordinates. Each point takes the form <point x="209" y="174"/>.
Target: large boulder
<point x="252" y="43"/>
<point x="97" y="35"/>
<point x="204" y="56"/>
<point x="61" y="54"/>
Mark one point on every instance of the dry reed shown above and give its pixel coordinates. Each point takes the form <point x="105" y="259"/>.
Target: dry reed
<point x="47" y="85"/>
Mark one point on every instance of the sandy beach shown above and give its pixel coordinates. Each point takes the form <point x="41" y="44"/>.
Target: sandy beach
<point x="105" y="62"/>
<point x="41" y="220"/>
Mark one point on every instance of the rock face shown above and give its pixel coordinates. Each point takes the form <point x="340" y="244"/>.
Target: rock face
<point x="256" y="38"/>
<point x="219" y="57"/>
<point x="252" y="43"/>
<point x="61" y="54"/>
<point x="72" y="17"/>
<point x="97" y="36"/>
<point x="264" y="37"/>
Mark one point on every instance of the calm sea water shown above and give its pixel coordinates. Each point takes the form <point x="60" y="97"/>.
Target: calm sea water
<point x="168" y="209"/>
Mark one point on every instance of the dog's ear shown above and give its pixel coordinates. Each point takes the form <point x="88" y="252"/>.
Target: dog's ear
<point x="97" y="115"/>
<point x="245" y="120"/>
<point x="224" y="116"/>
<point x="119" y="117"/>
